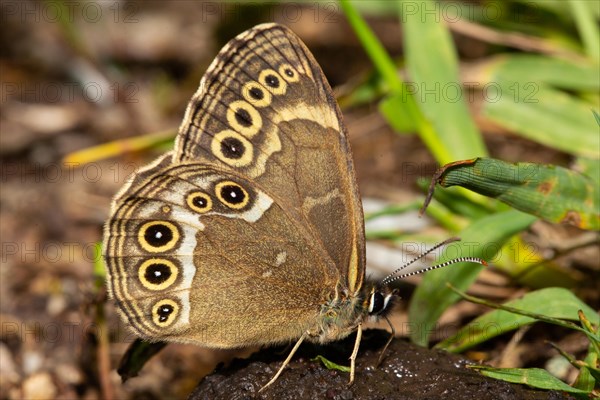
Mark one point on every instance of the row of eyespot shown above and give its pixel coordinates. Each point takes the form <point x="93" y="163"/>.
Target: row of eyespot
<point x="161" y="236"/>
<point x="232" y="146"/>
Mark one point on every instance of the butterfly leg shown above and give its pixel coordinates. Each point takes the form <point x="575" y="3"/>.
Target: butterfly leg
<point x="392" y="336"/>
<point x="286" y="362"/>
<point x="355" y="353"/>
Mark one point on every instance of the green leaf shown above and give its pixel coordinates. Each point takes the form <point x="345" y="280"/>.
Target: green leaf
<point x="405" y="113"/>
<point x="551" y="303"/>
<point x="550" y="192"/>
<point x="520" y="93"/>
<point x="455" y="135"/>
<point x="534" y="377"/>
<point x="594" y="376"/>
<point x="545" y="115"/>
<point x="483" y="238"/>
<point x="433" y="67"/>
<point x="383" y="62"/>
<point x="587" y="26"/>
<point x="330" y="364"/>
<point x="588" y="374"/>
<point x="519" y="73"/>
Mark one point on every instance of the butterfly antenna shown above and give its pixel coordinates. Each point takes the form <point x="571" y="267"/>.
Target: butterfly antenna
<point x="444" y="264"/>
<point x="391" y="278"/>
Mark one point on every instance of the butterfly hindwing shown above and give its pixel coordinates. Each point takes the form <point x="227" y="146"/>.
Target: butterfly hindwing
<point x="199" y="255"/>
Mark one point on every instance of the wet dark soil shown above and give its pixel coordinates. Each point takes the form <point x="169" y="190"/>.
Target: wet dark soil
<point x="407" y="372"/>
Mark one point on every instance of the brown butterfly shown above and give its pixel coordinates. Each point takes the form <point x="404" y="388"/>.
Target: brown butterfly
<point x="250" y="232"/>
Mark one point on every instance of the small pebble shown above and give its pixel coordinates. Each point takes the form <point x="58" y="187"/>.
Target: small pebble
<point x="39" y="387"/>
<point x="32" y="362"/>
<point x="8" y="368"/>
<point x="70" y="374"/>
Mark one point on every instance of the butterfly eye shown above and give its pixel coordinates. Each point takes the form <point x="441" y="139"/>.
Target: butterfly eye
<point x="232" y="195"/>
<point x="256" y="94"/>
<point x="165" y="312"/>
<point x="157" y="273"/>
<point x="158" y="236"/>
<point x="289" y="73"/>
<point x="244" y="118"/>
<point x="199" y="202"/>
<point x="232" y="148"/>
<point x="272" y="81"/>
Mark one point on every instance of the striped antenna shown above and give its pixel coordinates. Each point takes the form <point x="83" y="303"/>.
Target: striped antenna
<point x="388" y="278"/>
<point x="444" y="264"/>
<point x="391" y="277"/>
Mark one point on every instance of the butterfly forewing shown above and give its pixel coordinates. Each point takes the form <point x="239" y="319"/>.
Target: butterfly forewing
<point x="265" y="110"/>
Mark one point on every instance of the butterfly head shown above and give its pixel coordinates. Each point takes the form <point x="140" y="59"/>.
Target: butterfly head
<point x="379" y="301"/>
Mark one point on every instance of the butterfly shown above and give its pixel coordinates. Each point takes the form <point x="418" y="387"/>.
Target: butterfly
<point x="250" y="231"/>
